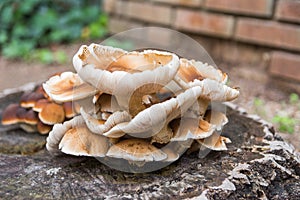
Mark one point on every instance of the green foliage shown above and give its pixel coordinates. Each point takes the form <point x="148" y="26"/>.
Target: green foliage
<point x="259" y="107"/>
<point x="258" y="102"/>
<point x="27" y="26"/>
<point x="286" y="124"/>
<point x="294" y="98"/>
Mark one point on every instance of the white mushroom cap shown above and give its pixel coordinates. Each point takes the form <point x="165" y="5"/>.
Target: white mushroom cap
<point x="190" y="70"/>
<point x="171" y="155"/>
<point x="79" y="141"/>
<point x="215" y="91"/>
<point x="191" y="128"/>
<point x="198" y="109"/>
<point x="73" y="137"/>
<point x="136" y="150"/>
<point x="215" y="142"/>
<point x="217" y="118"/>
<point x="107" y="103"/>
<point x="175" y="149"/>
<point x="67" y="87"/>
<point x="151" y="120"/>
<point x="98" y="55"/>
<point x="57" y="133"/>
<point x="103" y="127"/>
<point x="163" y="136"/>
<point x="118" y="72"/>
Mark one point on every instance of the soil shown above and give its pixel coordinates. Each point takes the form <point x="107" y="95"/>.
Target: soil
<point x="253" y="84"/>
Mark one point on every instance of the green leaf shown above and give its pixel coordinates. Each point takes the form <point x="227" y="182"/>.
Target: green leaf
<point x="258" y="102"/>
<point x="26" y="25"/>
<point x="45" y="19"/>
<point x="19" y="30"/>
<point x="286" y="124"/>
<point x="294" y="98"/>
<point x="44" y="55"/>
<point x="58" y="35"/>
<point x="27" y="6"/>
<point x="60" y="57"/>
<point x="6" y="15"/>
<point x="90" y="13"/>
<point x="17" y="49"/>
<point x="3" y="37"/>
<point x="103" y="19"/>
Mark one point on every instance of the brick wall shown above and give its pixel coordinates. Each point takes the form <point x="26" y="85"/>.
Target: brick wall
<point x="270" y="28"/>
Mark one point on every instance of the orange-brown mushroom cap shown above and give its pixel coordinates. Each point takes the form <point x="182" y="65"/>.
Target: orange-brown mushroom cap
<point x="31" y="117"/>
<point x="40" y="104"/>
<point x="71" y="109"/>
<point x="29" y="100"/>
<point x="43" y="128"/>
<point x="21" y="114"/>
<point x="136" y="150"/>
<point x="9" y="115"/>
<point x="52" y="113"/>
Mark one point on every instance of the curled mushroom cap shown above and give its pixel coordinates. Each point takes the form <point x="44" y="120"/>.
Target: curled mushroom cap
<point x="57" y="133"/>
<point x="9" y="115"/>
<point x="102" y="127"/>
<point x="217" y="118"/>
<point x="215" y="142"/>
<point x="80" y="141"/>
<point x="149" y="121"/>
<point x="190" y="70"/>
<point x="175" y="149"/>
<point x="67" y="87"/>
<point x="136" y="150"/>
<point x="215" y="91"/>
<point x="114" y="71"/>
<point x="163" y="136"/>
<point x="73" y="137"/>
<point x="190" y="128"/>
<point x="107" y="103"/>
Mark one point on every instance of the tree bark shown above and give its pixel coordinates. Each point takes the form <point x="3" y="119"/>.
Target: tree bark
<point x="257" y="165"/>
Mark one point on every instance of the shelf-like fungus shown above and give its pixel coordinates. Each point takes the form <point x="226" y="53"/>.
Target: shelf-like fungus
<point x="139" y="107"/>
<point x="37" y="112"/>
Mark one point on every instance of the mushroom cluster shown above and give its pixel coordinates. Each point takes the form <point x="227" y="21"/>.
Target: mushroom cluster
<point x="36" y="112"/>
<point x="139" y="106"/>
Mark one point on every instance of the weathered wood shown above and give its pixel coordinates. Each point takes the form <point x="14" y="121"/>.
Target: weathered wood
<point x="258" y="164"/>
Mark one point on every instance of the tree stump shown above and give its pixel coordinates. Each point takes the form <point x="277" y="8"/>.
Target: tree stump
<point x="257" y="165"/>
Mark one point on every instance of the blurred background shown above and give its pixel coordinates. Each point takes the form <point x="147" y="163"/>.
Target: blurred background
<point x="257" y="42"/>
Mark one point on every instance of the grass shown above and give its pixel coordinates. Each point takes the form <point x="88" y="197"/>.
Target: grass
<point x="285" y="121"/>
